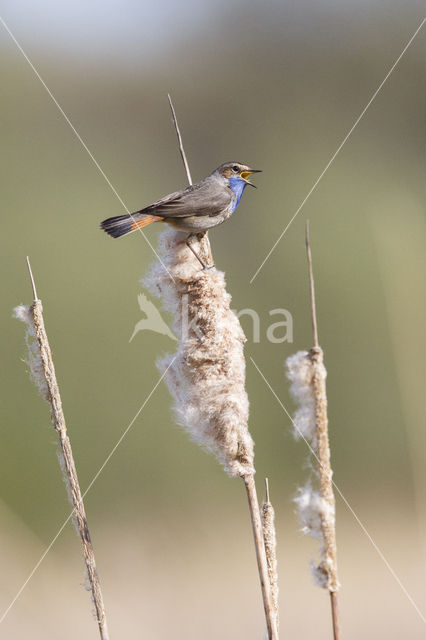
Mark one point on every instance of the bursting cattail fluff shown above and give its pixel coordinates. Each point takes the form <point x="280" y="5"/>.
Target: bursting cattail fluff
<point x="33" y="357"/>
<point x="206" y="375"/>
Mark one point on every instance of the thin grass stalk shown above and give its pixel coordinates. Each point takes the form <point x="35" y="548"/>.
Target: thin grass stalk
<point x="231" y="443"/>
<point x="50" y="390"/>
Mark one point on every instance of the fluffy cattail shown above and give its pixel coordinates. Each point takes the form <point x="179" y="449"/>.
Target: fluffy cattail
<point x="315" y="504"/>
<point x="206" y="375"/>
<point x="42" y="372"/>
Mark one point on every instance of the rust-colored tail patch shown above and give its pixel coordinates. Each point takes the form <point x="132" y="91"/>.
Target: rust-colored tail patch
<point x="122" y="225"/>
<point x="143" y="222"/>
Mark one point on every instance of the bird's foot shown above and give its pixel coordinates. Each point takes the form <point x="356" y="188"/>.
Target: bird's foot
<point x="189" y="245"/>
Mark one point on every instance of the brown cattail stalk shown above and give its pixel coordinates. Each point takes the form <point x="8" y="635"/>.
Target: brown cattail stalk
<point x="206" y="376"/>
<point x="42" y="371"/>
<point x="316" y="509"/>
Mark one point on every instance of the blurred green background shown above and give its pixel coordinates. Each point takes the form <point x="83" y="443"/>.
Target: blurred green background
<point x="277" y="86"/>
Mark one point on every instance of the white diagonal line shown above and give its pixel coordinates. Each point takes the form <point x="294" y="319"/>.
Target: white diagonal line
<point x="394" y="575"/>
<point x="80" y="139"/>
<point x="333" y="157"/>
<point x="107" y="459"/>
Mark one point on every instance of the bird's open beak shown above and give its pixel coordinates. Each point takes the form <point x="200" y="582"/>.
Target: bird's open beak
<point x="247" y="173"/>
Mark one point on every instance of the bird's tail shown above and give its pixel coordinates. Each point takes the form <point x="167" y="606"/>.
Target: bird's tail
<point x="122" y="225"/>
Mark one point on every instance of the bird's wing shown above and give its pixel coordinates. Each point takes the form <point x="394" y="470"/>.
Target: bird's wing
<point x="202" y="199"/>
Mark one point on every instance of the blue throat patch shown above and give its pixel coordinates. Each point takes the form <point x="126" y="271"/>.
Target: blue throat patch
<point x="237" y="185"/>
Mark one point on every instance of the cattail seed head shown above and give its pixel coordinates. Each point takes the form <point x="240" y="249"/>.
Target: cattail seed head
<point x="206" y="375"/>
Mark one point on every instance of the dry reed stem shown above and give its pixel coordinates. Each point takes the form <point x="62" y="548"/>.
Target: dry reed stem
<point x="181" y="149"/>
<point x="52" y="395"/>
<point x="204" y="249"/>
<point x="220" y="365"/>
<point x="335" y="614"/>
<point x="323" y="453"/>
<point x="311" y="287"/>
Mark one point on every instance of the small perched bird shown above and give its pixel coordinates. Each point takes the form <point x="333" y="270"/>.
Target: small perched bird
<point x="195" y="209"/>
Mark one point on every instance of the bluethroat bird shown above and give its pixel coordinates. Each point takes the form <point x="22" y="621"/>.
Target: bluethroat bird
<point x="194" y="210"/>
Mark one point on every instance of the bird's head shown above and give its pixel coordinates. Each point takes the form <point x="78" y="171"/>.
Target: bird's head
<point x="236" y="171"/>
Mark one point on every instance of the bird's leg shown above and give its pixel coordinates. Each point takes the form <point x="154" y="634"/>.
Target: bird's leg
<point x="189" y="240"/>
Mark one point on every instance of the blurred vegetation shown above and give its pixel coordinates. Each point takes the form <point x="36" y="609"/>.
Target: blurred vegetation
<point x="277" y="88"/>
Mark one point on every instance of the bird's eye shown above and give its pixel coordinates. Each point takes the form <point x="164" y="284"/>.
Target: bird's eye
<point x="235" y="168"/>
